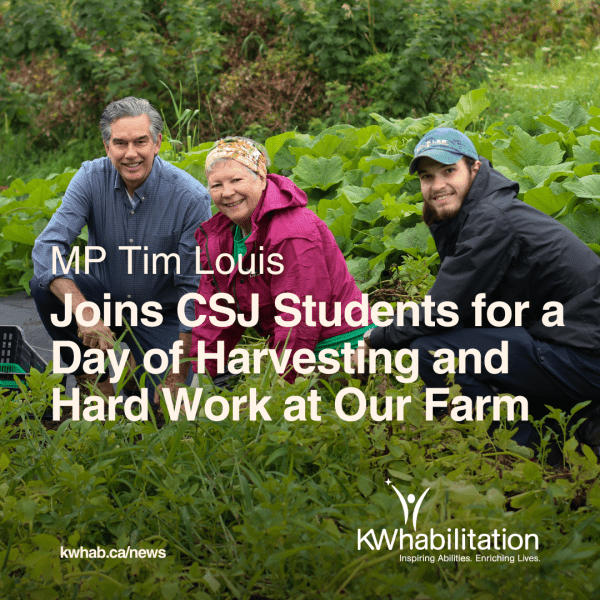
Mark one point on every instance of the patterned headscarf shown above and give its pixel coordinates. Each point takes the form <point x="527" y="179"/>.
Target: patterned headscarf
<point x="241" y="150"/>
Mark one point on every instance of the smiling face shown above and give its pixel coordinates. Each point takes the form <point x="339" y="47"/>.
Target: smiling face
<point x="131" y="150"/>
<point x="445" y="187"/>
<point x="236" y="192"/>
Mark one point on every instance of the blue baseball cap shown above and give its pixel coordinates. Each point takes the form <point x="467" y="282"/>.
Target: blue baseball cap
<point x="444" y="144"/>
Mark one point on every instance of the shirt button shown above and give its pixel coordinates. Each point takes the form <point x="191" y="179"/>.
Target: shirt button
<point x="129" y="295"/>
<point x="143" y="197"/>
<point x="132" y="212"/>
<point x="241" y="280"/>
<point x="131" y="241"/>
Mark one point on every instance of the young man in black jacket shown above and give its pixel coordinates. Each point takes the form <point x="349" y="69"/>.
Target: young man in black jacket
<point x="495" y="248"/>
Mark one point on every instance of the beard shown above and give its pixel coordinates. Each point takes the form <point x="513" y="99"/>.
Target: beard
<point x="446" y="212"/>
<point x="435" y="214"/>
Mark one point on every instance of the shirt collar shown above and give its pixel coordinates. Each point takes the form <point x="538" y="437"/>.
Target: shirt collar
<point x="142" y="191"/>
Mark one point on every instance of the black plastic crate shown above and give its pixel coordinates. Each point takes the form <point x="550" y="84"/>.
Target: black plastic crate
<point x="17" y="357"/>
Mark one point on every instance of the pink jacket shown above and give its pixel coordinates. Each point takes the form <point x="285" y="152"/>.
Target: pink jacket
<point x="313" y="265"/>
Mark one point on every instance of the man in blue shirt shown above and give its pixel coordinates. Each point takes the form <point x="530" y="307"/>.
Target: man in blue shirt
<point x="136" y="207"/>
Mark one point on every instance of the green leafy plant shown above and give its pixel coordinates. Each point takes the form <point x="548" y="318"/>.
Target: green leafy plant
<point x="272" y="508"/>
<point x="357" y="181"/>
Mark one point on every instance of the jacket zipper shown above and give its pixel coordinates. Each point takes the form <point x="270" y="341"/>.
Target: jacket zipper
<point x="235" y="296"/>
<point x="235" y="280"/>
<point x="257" y="327"/>
<point x="208" y="258"/>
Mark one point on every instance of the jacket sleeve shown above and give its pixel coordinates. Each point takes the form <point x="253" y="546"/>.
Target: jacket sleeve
<point x="484" y="250"/>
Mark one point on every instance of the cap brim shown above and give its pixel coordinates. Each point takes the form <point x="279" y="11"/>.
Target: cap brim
<point x="442" y="156"/>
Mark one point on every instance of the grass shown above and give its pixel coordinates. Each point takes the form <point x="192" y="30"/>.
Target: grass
<point x="531" y="84"/>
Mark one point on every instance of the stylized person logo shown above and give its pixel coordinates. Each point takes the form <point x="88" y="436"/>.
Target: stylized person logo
<point x="410" y="499"/>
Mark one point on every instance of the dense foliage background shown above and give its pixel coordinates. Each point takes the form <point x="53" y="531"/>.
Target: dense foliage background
<point x="261" y="67"/>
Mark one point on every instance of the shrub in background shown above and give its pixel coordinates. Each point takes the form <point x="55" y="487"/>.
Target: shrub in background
<point x="259" y="67"/>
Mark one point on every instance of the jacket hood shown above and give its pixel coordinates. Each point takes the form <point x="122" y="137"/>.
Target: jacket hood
<point x="281" y="193"/>
<point x="488" y="181"/>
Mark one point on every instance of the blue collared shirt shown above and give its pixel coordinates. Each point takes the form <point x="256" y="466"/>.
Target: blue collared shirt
<point x="171" y="206"/>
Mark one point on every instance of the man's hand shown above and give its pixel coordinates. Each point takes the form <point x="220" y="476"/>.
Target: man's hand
<point x="175" y="380"/>
<point x="96" y="336"/>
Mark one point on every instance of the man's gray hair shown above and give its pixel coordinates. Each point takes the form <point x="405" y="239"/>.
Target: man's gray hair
<point x="130" y="107"/>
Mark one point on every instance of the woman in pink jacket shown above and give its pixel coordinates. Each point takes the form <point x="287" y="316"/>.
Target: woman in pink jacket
<point x="261" y="244"/>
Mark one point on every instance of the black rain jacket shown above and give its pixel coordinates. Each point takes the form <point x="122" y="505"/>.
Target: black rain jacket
<point x="512" y="252"/>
